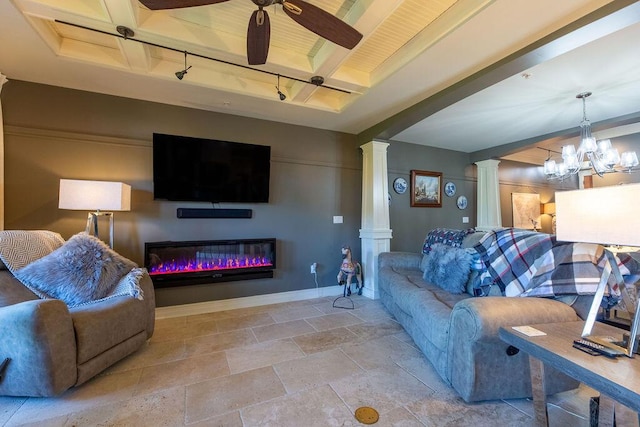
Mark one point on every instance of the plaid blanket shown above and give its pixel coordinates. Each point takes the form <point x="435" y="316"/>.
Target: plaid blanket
<point x="525" y="263"/>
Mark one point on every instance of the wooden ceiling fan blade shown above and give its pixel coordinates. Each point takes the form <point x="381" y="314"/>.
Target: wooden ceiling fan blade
<point x="177" y="4"/>
<point x="322" y="23"/>
<point x="258" y="35"/>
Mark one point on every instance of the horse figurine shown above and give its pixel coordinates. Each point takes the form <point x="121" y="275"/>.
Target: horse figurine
<point x="348" y="269"/>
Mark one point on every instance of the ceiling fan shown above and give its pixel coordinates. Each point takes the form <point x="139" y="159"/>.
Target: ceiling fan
<point x="309" y="16"/>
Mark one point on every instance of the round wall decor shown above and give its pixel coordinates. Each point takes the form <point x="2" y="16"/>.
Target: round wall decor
<point x="400" y="185"/>
<point x="461" y="202"/>
<point x="450" y="189"/>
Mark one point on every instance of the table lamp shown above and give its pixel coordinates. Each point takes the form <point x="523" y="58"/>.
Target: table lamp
<point x="550" y="209"/>
<point x="102" y="196"/>
<point x="607" y="216"/>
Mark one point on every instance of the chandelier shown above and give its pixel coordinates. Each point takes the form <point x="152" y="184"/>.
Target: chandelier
<point x="600" y="155"/>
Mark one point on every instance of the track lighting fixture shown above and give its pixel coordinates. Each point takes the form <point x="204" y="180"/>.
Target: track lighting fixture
<point x="317" y="80"/>
<point x="280" y="94"/>
<point x="128" y="34"/>
<point x="180" y="74"/>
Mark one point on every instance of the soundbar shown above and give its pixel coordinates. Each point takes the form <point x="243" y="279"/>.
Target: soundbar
<point x="213" y="213"/>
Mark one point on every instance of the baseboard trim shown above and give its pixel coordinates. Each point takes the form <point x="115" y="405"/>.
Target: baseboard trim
<point x="245" y="302"/>
<point x="369" y="293"/>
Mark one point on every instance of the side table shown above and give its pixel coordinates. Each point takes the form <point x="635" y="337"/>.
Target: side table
<point x="617" y="379"/>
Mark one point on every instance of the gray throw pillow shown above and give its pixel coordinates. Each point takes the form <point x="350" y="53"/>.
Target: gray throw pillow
<point x="448" y="268"/>
<point x="83" y="269"/>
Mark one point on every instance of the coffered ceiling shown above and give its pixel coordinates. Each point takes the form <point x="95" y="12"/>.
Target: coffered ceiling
<point x="465" y="75"/>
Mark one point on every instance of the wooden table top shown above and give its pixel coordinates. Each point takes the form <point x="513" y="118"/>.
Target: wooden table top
<point x="617" y="378"/>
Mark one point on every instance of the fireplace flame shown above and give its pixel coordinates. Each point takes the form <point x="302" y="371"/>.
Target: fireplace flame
<point x="203" y="263"/>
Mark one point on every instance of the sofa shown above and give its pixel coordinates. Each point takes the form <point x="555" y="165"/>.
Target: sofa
<point x="458" y="331"/>
<point x="52" y="345"/>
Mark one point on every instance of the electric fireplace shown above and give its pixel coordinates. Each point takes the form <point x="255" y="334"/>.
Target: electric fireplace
<point x="209" y="261"/>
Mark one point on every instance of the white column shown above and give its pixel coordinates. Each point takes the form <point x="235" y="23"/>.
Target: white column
<point x="3" y="80"/>
<point x="488" y="198"/>
<point x="375" y="234"/>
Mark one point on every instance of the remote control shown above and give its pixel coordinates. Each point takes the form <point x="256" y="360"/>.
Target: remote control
<point x="587" y="350"/>
<point x="583" y="344"/>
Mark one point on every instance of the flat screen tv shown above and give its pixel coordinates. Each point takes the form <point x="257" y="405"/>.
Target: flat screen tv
<point x="207" y="170"/>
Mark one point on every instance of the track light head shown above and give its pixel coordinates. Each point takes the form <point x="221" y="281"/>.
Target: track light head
<point x="180" y="74"/>
<point x="280" y="94"/>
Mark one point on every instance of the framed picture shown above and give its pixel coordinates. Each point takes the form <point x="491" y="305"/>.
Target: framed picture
<point x="426" y="189"/>
<point x="526" y="210"/>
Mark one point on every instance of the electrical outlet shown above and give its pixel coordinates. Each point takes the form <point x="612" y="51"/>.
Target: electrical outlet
<point x="313" y="267"/>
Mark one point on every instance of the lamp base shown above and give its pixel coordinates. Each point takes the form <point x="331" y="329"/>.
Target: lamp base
<point x="92" y="224"/>
<point x="627" y="348"/>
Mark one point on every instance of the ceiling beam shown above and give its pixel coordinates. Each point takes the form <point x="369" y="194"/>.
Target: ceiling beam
<point x="574" y="132"/>
<point x="610" y="18"/>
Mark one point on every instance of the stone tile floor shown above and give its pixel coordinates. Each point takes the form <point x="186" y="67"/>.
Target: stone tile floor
<point x="298" y="364"/>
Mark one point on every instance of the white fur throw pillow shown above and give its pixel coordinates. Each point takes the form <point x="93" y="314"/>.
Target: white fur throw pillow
<point x="83" y="269"/>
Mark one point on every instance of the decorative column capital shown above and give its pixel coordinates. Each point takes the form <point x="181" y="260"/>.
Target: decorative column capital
<point x="375" y="146"/>
<point x="489" y="163"/>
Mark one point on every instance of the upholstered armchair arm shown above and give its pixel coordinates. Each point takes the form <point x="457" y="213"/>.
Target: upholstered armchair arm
<point x="150" y="301"/>
<point x="39" y="339"/>
<point x="397" y="260"/>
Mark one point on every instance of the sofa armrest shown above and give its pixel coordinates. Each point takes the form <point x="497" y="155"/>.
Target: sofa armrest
<point x="399" y="260"/>
<point x="39" y="339"/>
<point x="482" y="366"/>
<point x="476" y="319"/>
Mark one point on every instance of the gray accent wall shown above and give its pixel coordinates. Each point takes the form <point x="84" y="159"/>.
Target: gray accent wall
<point x="53" y="133"/>
<point x="411" y="224"/>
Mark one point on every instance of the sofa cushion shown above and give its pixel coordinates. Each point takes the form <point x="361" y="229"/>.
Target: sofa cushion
<point x="431" y="316"/>
<point x="83" y="269"/>
<point x="448" y="267"/>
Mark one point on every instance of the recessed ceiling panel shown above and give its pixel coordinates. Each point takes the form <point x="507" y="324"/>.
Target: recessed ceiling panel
<point x="406" y="22"/>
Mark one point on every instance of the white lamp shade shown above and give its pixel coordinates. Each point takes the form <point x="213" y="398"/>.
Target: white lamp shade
<point x="94" y="195"/>
<point x="604" y="215"/>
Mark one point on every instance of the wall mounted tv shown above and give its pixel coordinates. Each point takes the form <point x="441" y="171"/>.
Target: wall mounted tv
<point x="207" y="170"/>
